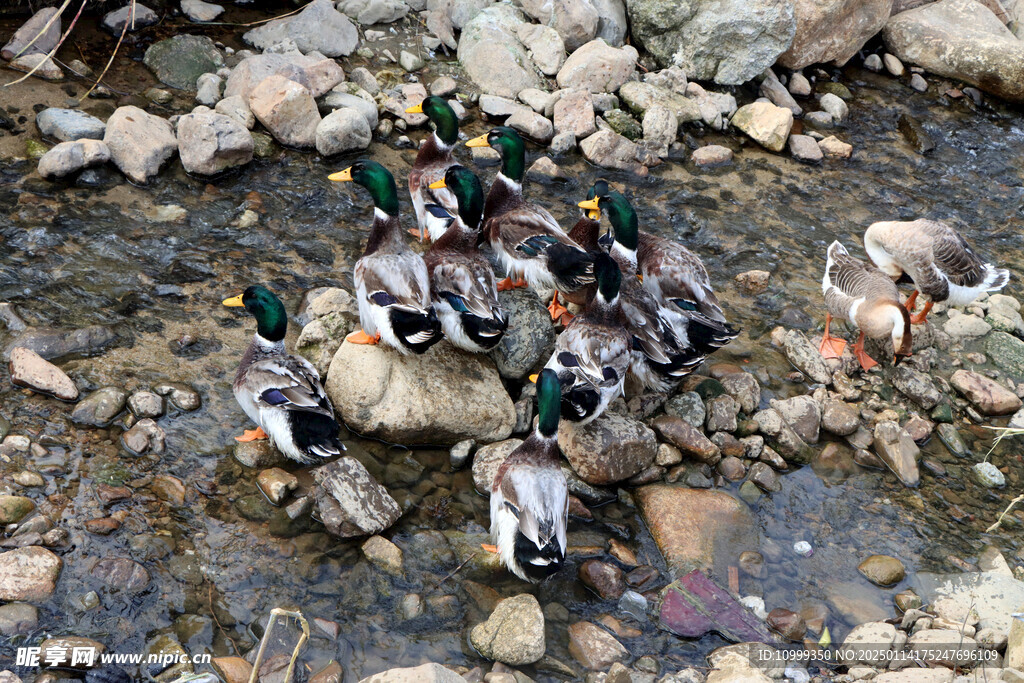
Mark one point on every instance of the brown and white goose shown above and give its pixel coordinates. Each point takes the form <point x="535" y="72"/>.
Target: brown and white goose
<point x="942" y="265"/>
<point x="865" y="296"/>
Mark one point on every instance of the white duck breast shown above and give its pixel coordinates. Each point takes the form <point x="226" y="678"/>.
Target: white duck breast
<point x="936" y="257"/>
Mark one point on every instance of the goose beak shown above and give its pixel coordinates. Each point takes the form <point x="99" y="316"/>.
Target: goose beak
<point x="234" y="302"/>
<point x="415" y="109"/>
<point x="437" y="185"/>
<point x="480" y="141"/>
<point x="342" y="176"/>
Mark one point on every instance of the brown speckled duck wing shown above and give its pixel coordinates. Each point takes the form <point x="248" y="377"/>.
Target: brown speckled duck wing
<point x="676" y="274"/>
<point x="953" y="256"/>
<point x="470" y="279"/>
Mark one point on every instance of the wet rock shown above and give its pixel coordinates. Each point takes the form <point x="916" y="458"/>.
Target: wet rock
<point x="68" y="125"/>
<point x="688" y="439"/>
<point x="918" y="83"/>
<point x="764" y="477"/>
<point x="314" y="71"/>
<point x="882" y="570"/>
<point x="145" y="404"/>
<point x="180" y="60"/>
<point x="490" y="52"/>
<point x="546" y="47"/>
<point x="805" y="357"/>
<point x="833" y="31"/>
<point x="139" y="143"/>
<point x="988" y="475"/>
<point x="988" y="396"/>
<point x="915" y="385"/>
<point x="782" y="437"/>
<point x="28" y="40"/>
<point x="425" y="673"/>
<point x="714" y="42"/>
<point x="593" y="647"/>
<point x="604" y="579"/>
<point x="276" y="484"/>
<point x="898" y="451"/>
<point x="805" y="148"/>
<point x="696" y="528"/>
<point x="99" y="408"/>
<point x="51" y="343"/>
<point x="710" y="156"/>
<point x="689" y="406"/>
<point x="893" y="65"/>
<point x="869" y="643"/>
<point x="609" y="449"/>
<point x="949" y="435"/>
<point x="915" y="134"/>
<point x="384" y="554"/>
<point x="834" y="148"/>
<point x="721" y="414"/>
<point x="608" y="149"/>
<point x="369" y="12"/>
<point x="441" y="397"/>
<point x="18" y="618"/>
<point x="839" y="418"/>
<point x="197" y="10"/>
<point x="318" y="27"/>
<point x="514" y="632"/>
<point x="38" y="65"/>
<point x="574" y="112"/>
<point x="639" y="96"/>
<point x="136" y="15"/>
<point x="144" y="436"/>
<point x="765" y="123"/>
<point x="182" y="396"/>
<point x="1006" y="351"/>
<point x="598" y="67"/>
<point x="121" y="574"/>
<point x="350" y="500"/>
<point x="803" y="414"/>
<point x="14" y="508"/>
<point x="71" y="157"/>
<point x="962" y="40"/>
<point x="287" y="109"/>
<point x="919" y="428"/>
<point x="487" y="460"/>
<point x="343" y="130"/>
<point x="28" y="369"/>
<point x="790" y="625"/>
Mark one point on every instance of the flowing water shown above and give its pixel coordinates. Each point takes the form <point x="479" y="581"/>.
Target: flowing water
<point x="77" y="255"/>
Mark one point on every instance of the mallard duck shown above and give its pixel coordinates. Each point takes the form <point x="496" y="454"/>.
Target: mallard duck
<point x="391" y="280"/>
<point x="461" y="280"/>
<point x="592" y="354"/>
<point x="282" y="393"/>
<point x="941" y="264"/>
<point x="672" y="273"/>
<point x="865" y="296"/>
<point x="529" y="495"/>
<point x="526" y="238"/>
<point x="435" y="207"/>
<point x="697" y="334"/>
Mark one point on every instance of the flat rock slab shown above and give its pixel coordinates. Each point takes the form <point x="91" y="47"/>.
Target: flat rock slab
<point x="27" y="40"/>
<point x="994" y="597"/>
<point x="350" y="500"/>
<point x="29" y="369"/>
<point x="694" y="605"/>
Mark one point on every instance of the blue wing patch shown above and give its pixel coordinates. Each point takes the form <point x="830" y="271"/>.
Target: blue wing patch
<point x="383" y="299"/>
<point x="274" y="397"/>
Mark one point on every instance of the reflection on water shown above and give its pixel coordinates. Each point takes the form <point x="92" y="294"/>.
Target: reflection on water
<point x="93" y="254"/>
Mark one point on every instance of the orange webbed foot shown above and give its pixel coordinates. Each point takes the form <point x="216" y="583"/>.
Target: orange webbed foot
<point x="505" y="285"/>
<point x="252" y="435"/>
<point x="866" y="361"/>
<point x="361" y="337"/>
<point x="565" y="318"/>
<point x="489" y="548"/>
<point x="919" y="318"/>
<point x="831" y="347"/>
<point x="520" y="283"/>
<point x="420" y="234"/>
<point x="556" y="309"/>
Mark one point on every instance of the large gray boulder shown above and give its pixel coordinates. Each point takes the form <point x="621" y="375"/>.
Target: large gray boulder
<point x="179" y="61"/>
<point x="960" y="39"/>
<point x="441" y="397"/>
<point x="27" y="39"/>
<point x="210" y="143"/>
<point x="493" y="56"/>
<point x="575" y="20"/>
<point x="318" y="73"/>
<point x="139" y="142"/>
<point x="833" y="30"/>
<point x="598" y="67"/>
<point x="725" y="41"/>
<point x="319" y="27"/>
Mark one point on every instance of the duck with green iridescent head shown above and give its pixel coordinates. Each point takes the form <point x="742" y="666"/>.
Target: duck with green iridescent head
<point x="461" y="280"/>
<point x="528" y="241"/>
<point x="391" y="282"/>
<point x="282" y="393"/>
<point x="673" y="274"/>
<point x="530" y="497"/>
<point x="591" y="355"/>
<point x="435" y="207"/>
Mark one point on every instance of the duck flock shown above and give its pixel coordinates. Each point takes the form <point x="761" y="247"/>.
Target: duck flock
<point x="649" y="316"/>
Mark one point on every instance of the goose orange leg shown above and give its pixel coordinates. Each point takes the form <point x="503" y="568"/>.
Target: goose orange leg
<point x="361" y="337"/>
<point x="831" y="347"/>
<point x="556" y="309"/>
<point x="252" y="435"/>
<point x="919" y="318"/>
<point x="911" y="301"/>
<point x="866" y="361"/>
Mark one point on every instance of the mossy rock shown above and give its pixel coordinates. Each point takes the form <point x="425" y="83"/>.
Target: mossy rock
<point x="624" y="124"/>
<point x="837" y="89"/>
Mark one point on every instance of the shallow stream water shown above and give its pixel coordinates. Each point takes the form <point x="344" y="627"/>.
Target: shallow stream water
<point x="76" y="255"/>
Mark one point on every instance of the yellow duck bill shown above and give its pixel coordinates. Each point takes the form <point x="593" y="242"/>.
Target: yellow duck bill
<point x="437" y="184"/>
<point x="480" y="141"/>
<point x="342" y="176"/>
<point x="234" y="302"/>
<point x="590" y="204"/>
<point x="415" y="109"/>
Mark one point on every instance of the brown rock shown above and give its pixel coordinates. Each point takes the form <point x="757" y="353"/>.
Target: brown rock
<point x="787" y="623"/>
<point x="988" y="396"/>
<point x="839" y="417"/>
<point x="618" y="628"/>
<point x="620" y="552"/>
<point x="898" y="451"/>
<point x="68" y="644"/>
<point x="28" y="574"/>
<point x="104" y="526"/>
<point x="752" y="563"/>
<point x="919" y="428"/>
<point x="593" y="647"/>
<point x="233" y="669"/>
<point x="602" y="578"/>
<point x="696" y="528"/>
<point x="753" y="281"/>
<point x="642" y="577"/>
<point x="882" y="570"/>
<point x="710" y="156"/>
<point x="732" y="468"/>
<point x="833" y="30"/>
<point x="168" y="488"/>
<point x="29" y="369"/>
<point x="332" y="673"/>
<point x="609" y="449"/>
<point x="686" y="438"/>
<point x="119" y="573"/>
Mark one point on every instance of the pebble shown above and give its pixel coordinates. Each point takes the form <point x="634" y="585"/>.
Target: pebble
<point x="898" y="451"/>
<point x="28" y="574"/>
<point x="411" y="62"/>
<point x="67" y="158"/>
<point x="144" y="436"/>
<point x="834" y="148"/>
<point x="805" y="148"/>
<point x="99" y="408"/>
<point x="38" y="65"/>
<point x="787" y="623"/>
<point x="29" y="369"/>
<point x="514" y="632"/>
<point x="918" y="83"/>
<point x="873" y="63"/>
<point x="145" y="404"/>
<point x="882" y="570"/>
<point x="138" y="19"/>
<point x="341" y="131"/>
<point x="835" y="106"/>
<point x="593" y="647"/>
<point x="139" y="142"/>
<point x="893" y="65"/>
<point x="966" y="326"/>
<point x="197" y="10"/>
<point x="121" y="574"/>
<point x="711" y="156"/>
<point x="276" y="484"/>
<point x="606" y="580"/>
<point x="988" y="475"/>
<point x="384" y="554"/>
<point x="799" y="86"/>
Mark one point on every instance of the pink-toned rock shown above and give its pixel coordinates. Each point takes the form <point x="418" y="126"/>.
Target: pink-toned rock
<point x="28" y="574"/>
<point x="710" y="156"/>
<point x="29" y="369"/>
<point x="833" y="30"/>
<point x="593" y="647"/>
<point x="834" y="148"/>
<point x="988" y="396"/>
<point x="574" y="112"/>
<point x="287" y="109"/>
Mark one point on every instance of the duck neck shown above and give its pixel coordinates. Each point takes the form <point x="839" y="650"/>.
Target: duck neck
<point x="385" y="231"/>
